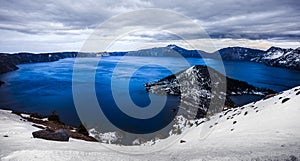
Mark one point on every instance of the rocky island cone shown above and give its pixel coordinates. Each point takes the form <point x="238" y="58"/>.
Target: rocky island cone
<point x="196" y="89"/>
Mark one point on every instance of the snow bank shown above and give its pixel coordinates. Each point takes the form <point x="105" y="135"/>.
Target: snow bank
<point x="267" y="129"/>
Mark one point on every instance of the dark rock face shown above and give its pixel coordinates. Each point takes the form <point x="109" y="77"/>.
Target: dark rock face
<point x="169" y="51"/>
<point x="5" y="64"/>
<point x="201" y="88"/>
<point x="240" y="53"/>
<point x="57" y="135"/>
<point x="200" y="114"/>
<point x="8" y="62"/>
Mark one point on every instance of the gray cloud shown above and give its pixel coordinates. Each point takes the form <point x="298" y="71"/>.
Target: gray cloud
<point x="253" y="19"/>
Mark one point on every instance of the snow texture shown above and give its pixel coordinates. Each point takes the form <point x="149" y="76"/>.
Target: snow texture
<point x="264" y="130"/>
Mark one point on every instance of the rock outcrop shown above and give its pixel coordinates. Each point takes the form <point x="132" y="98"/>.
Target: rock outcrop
<point x="57" y="135"/>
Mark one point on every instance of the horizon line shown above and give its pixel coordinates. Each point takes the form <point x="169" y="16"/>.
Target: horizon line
<point x="62" y="51"/>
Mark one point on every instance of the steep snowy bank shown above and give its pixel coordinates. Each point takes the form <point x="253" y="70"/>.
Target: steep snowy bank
<point x="267" y="129"/>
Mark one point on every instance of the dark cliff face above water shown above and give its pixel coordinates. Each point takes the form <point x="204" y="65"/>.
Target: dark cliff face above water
<point x="169" y="51"/>
<point x="240" y="53"/>
<point x="204" y="88"/>
<point x="5" y="64"/>
<point x="8" y="62"/>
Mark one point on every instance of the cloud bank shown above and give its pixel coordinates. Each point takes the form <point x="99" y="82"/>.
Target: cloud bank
<point x="41" y="26"/>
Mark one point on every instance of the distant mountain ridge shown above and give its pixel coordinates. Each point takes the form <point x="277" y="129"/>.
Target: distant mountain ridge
<point x="274" y="56"/>
<point x="170" y="50"/>
<point x="9" y="62"/>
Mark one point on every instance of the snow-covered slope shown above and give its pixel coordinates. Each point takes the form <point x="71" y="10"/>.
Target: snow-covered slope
<point x="288" y="58"/>
<point x="274" y="53"/>
<point x="274" y="56"/>
<point x="279" y="57"/>
<point x="267" y="129"/>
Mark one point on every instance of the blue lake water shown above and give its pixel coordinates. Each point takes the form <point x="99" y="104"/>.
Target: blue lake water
<point x="47" y="87"/>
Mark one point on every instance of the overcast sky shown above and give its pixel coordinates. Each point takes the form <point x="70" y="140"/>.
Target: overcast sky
<point x="44" y="26"/>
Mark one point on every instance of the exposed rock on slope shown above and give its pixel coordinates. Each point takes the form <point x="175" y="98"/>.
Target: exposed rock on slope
<point x="5" y="64"/>
<point x="203" y="87"/>
<point x="48" y="134"/>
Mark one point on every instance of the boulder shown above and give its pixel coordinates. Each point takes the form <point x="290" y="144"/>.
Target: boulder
<point x="48" y="134"/>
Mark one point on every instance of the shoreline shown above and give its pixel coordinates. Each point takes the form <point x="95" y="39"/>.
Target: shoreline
<point x="9" y="62"/>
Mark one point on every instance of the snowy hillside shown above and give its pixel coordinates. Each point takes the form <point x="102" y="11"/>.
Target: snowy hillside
<point x="279" y="57"/>
<point x="274" y="56"/>
<point x="288" y="58"/>
<point x="275" y="52"/>
<point x="267" y="129"/>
